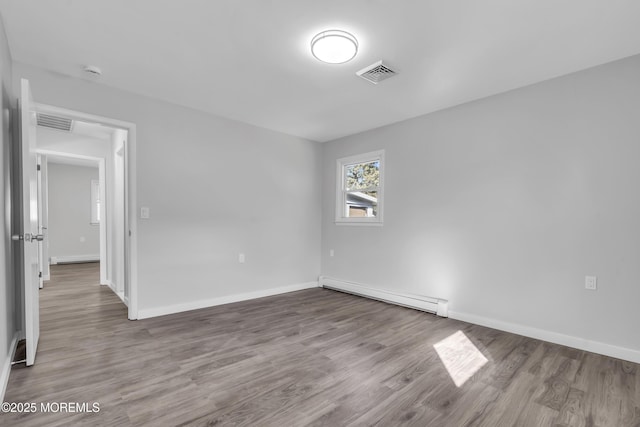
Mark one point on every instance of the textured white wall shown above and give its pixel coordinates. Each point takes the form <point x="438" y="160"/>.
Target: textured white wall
<point x="8" y="297"/>
<point x="215" y="188"/>
<point x="503" y="205"/>
<point x="70" y="231"/>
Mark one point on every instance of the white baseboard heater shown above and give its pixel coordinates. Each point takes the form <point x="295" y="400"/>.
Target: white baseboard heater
<point x="419" y="302"/>
<point x="72" y="259"/>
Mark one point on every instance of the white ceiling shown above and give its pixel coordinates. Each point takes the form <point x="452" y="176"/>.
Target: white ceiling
<point x="93" y="130"/>
<point x="72" y="161"/>
<point x="249" y="60"/>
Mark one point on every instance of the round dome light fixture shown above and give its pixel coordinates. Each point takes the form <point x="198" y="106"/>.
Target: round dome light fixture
<point x="334" y="46"/>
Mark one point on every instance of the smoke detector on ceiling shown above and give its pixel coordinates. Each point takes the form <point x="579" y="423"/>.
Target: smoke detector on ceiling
<point x="377" y="72"/>
<point x="92" y="70"/>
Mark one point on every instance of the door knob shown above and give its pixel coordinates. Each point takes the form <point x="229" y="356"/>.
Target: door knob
<point x="28" y="237"/>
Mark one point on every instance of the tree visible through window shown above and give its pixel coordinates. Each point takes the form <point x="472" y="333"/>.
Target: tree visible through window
<point x="359" y="198"/>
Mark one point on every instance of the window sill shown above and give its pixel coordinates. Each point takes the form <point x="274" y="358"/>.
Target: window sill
<point x="360" y="223"/>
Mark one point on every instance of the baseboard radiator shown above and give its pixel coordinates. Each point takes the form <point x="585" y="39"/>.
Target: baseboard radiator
<point x="419" y="302"/>
<point x="73" y="259"/>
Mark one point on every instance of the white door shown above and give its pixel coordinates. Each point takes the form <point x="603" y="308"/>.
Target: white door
<point x="29" y="221"/>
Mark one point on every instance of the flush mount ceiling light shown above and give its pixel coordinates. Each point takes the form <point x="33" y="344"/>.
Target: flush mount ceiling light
<point x="334" y="46"/>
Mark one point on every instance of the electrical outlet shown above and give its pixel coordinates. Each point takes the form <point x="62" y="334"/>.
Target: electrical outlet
<point x="241" y="258"/>
<point x="331" y="253"/>
<point x="144" y="212"/>
<point x="590" y="282"/>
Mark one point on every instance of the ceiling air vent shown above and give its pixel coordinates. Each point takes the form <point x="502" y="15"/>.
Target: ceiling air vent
<point x="55" y="122"/>
<point x="375" y="73"/>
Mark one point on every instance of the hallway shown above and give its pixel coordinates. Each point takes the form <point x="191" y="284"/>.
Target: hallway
<point x="77" y="318"/>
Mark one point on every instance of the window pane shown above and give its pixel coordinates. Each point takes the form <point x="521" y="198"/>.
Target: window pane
<point x="362" y="175"/>
<point x="362" y="204"/>
<point x="359" y="192"/>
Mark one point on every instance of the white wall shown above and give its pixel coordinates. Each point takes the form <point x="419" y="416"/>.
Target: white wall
<point x="8" y="297"/>
<point x="215" y="188"/>
<point x="503" y="205"/>
<point x="70" y="232"/>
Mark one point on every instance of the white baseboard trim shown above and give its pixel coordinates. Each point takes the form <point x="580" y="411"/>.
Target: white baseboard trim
<point x="146" y="313"/>
<point x="419" y="302"/>
<point x="553" y="337"/>
<point x="6" y="367"/>
<point x="68" y="259"/>
<point x="114" y="289"/>
<point x="120" y="295"/>
<point x="46" y="277"/>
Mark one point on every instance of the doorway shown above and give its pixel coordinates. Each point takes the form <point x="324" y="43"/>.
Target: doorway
<point x="101" y="148"/>
<point x="76" y="216"/>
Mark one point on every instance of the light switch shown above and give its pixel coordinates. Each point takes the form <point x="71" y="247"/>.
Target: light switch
<point x="144" y="212"/>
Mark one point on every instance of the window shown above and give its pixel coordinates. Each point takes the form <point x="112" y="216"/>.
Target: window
<point x="359" y="189"/>
<point x="95" y="202"/>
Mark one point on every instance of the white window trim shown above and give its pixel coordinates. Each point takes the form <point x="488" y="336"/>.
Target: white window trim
<point x="341" y="219"/>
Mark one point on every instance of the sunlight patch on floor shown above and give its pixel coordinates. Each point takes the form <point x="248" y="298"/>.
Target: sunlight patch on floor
<point x="461" y="358"/>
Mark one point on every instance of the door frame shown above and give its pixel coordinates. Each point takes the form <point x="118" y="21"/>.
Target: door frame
<point x="43" y="216"/>
<point x="130" y="219"/>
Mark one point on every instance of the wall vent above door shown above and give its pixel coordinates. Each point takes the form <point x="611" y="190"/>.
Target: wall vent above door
<point x="377" y="72"/>
<point x="55" y="122"/>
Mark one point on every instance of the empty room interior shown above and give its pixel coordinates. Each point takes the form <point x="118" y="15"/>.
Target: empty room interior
<point x="338" y="213"/>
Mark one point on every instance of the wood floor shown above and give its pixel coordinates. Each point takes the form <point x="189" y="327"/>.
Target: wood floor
<point x="313" y="357"/>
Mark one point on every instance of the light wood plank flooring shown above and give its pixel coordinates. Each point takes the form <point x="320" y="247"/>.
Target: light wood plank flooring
<point x="314" y="357"/>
